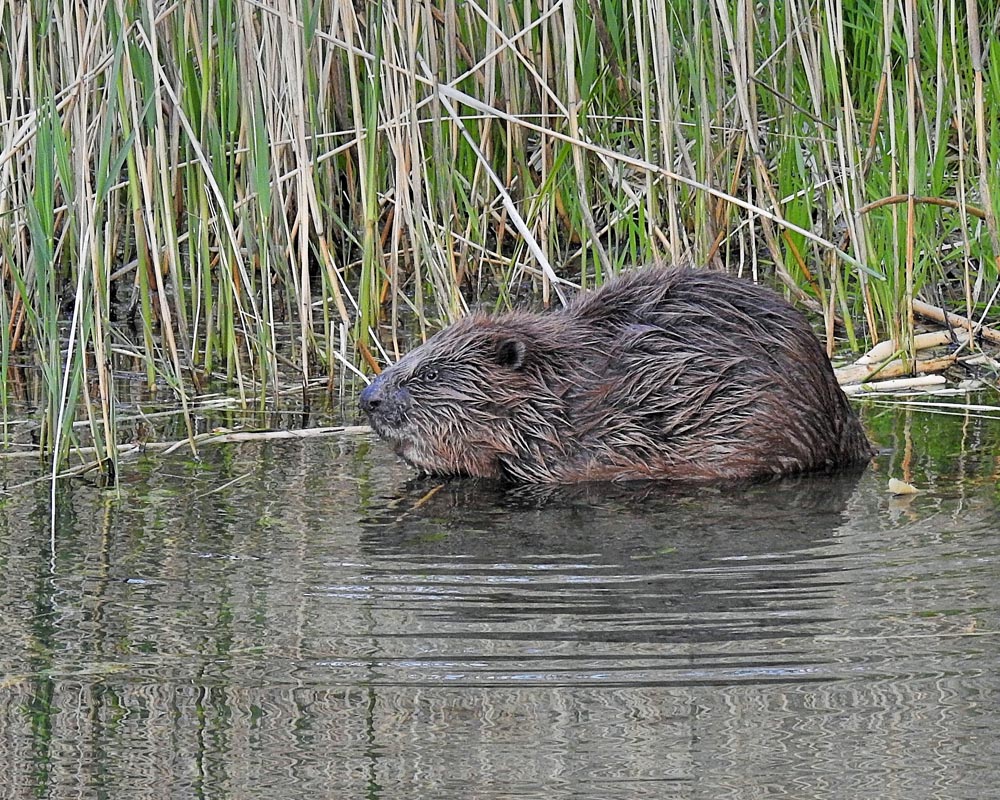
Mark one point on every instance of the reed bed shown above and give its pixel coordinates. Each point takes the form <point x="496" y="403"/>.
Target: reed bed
<point x="264" y="193"/>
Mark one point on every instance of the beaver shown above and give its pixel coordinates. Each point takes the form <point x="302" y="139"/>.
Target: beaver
<point x="662" y="373"/>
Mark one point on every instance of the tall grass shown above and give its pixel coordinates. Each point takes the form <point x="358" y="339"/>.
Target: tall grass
<point x="261" y="192"/>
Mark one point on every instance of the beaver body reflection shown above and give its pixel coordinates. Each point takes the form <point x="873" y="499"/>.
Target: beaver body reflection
<point x="668" y="373"/>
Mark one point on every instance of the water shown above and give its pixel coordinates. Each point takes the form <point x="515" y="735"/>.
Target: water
<point x="300" y="619"/>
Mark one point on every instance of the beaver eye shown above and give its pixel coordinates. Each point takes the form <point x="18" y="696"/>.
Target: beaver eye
<point x="429" y="374"/>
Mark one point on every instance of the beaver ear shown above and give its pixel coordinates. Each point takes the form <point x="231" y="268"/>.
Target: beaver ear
<point x="511" y="352"/>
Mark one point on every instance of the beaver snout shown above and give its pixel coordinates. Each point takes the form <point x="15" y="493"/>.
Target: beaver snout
<point x="370" y="398"/>
<point x="382" y="402"/>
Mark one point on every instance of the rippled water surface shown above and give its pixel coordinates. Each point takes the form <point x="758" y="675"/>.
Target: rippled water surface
<point x="302" y="619"/>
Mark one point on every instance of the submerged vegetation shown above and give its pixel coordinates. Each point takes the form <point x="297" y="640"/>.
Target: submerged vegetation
<point x="259" y="193"/>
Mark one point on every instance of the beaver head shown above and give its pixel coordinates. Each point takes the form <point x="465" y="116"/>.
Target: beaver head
<point x="473" y="400"/>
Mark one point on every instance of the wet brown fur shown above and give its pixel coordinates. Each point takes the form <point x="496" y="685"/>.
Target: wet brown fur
<point x="669" y="373"/>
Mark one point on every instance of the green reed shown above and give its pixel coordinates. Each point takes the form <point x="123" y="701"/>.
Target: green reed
<point x="264" y="194"/>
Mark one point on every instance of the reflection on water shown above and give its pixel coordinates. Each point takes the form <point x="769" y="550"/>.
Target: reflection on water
<point x="300" y="619"/>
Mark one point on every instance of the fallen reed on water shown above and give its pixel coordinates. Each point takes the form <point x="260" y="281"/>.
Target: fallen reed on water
<point x="253" y="193"/>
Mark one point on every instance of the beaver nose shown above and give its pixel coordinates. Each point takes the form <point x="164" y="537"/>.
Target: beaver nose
<point x="370" y="399"/>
